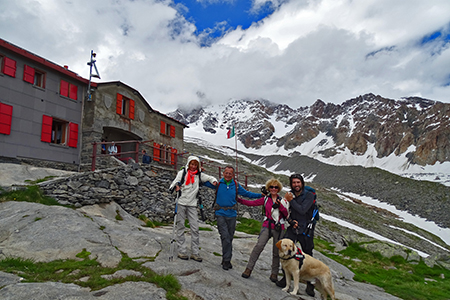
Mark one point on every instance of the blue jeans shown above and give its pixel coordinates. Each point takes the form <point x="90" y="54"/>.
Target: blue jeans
<point x="226" y="227"/>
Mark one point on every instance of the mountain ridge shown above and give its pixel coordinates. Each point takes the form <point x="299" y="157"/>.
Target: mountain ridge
<point x="411" y="134"/>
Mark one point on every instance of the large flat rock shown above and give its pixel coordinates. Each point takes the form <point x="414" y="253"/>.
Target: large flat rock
<point x="45" y="233"/>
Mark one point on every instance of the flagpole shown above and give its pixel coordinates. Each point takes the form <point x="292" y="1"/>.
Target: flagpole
<point x="235" y="151"/>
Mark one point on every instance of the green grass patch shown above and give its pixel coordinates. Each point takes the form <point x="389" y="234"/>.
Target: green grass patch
<point x="118" y="216"/>
<point x="249" y="226"/>
<point x="150" y="223"/>
<point x="83" y="254"/>
<point x="167" y="282"/>
<point x="205" y="229"/>
<point x="33" y="182"/>
<point x="395" y="275"/>
<point x="30" y="193"/>
<point x="71" y="271"/>
<point x="322" y="245"/>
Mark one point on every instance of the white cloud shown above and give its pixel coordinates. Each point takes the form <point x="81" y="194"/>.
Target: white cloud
<point x="304" y="51"/>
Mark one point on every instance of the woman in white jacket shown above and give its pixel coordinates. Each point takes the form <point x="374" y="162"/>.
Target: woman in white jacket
<point x="187" y="206"/>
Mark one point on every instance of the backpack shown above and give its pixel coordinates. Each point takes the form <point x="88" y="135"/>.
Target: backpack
<point x="315" y="205"/>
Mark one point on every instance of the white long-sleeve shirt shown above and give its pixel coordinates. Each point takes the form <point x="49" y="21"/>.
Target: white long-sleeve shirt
<point x="189" y="192"/>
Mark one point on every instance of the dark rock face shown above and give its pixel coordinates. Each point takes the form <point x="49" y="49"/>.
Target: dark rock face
<point x="412" y="124"/>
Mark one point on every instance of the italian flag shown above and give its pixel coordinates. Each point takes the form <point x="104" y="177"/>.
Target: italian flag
<point x="230" y="133"/>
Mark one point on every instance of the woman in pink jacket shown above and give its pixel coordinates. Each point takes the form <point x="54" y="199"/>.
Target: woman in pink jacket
<point x="273" y="226"/>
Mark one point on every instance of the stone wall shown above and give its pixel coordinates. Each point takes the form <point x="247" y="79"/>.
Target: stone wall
<point x="139" y="189"/>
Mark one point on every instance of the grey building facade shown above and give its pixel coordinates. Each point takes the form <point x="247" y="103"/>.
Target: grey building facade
<point x="45" y="116"/>
<point x="120" y="113"/>
<point x="40" y="108"/>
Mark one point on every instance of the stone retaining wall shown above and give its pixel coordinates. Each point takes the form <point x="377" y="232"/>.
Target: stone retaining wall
<point x="139" y="189"/>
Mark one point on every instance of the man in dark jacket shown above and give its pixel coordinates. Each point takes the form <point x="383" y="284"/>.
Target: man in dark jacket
<point x="145" y="157"/>
<point x="301" y="213"/>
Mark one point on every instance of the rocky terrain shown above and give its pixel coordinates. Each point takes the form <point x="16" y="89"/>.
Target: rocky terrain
<point x="141" y="190"/>
<point x="44" y="233"/>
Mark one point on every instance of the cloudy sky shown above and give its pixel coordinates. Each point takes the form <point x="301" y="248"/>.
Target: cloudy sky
<point x="190" y="52"/>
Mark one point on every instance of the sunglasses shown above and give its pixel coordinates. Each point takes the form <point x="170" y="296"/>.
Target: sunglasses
<point x="273" y="187"/>
<point x="298" y="176"/>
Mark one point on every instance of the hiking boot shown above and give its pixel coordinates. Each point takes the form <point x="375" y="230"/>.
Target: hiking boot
<point x="281" y="282"/>
<point x="183" y="256"/>
<point x="309" y="289"/>
<point x="226" y="265"/>
<point x="273" y="277"/>
<point x="196" y="258"/>
<point x="247" y="273"/>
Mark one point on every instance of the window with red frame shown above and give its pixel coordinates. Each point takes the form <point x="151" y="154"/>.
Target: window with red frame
<point x="57" y="131"/>
<point x="125" y="106"/>
<point x="28" y="74"/>
<point x="69" y="90"/>
<point x="34" y="76"/>
<point x="39" y="78"/>
<point x="5" y="118"/>
<point x="8" y="66"/>
<point x="173" y="154"/>
<point x="156" y="152"/>
<point x="167" y="129"/>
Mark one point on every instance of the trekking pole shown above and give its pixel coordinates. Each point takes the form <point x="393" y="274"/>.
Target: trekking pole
<point x="172" y="241"/>
<point x="309" y="228"/>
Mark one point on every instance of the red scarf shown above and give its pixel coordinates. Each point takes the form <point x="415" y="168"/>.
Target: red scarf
<point x="190" y="176"/>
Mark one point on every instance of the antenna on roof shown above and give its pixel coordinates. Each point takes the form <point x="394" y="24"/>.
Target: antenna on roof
<point x="96" y="75"/>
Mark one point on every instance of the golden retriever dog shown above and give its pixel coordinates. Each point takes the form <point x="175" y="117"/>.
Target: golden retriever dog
<point x="312" y="270"/>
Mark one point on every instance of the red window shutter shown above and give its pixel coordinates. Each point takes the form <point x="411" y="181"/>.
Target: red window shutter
<point x="156" y="152"/>
<point x="131" y="116"/>
<point x="5" y="118"/>
<point x="163" y="127"/>
<point x="46" y="134"/>
<point x="28" y="74"/>
<point x="172" y="131"/>
<point x="64" y="88"/>
<point x="119" y="104"/>
<point x="73" y="92"/>
<point x="172" y="156"/>
<point x="9" y="67"/>
<point x="73" y="135"/>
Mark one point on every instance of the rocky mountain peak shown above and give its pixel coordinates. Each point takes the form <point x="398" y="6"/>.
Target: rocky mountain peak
<point x="368" y="125"/>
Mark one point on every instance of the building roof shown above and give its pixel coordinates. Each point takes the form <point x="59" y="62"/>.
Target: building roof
<point x="27" y="54"/>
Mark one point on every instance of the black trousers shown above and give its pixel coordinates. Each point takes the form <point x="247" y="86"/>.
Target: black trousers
<point x="306" y="242"/>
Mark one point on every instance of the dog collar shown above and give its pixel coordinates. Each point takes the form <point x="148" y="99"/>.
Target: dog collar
<point x="297" y="256"/>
